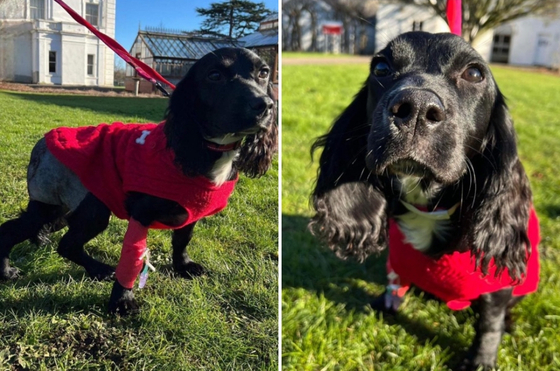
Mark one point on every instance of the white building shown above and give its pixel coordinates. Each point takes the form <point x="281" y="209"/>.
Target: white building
<point x="527" y="41"/>
<point x="392" y="20"/>
<point x="41" y="43"/>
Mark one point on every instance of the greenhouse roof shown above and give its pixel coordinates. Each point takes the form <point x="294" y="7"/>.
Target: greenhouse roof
<point x="182" y="46"/>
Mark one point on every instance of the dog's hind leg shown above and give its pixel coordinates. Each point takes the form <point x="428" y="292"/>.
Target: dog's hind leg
<point x="89" y="219"/>
<point x="51" y="182"/>
<point x="27" y="226"/>
<point x="182" y="263"/>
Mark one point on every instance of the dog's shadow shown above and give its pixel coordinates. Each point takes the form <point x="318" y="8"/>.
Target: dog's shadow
<point x="39" y="292"/>
<point x="41" y="285"/>
<point x="309" y="265"/>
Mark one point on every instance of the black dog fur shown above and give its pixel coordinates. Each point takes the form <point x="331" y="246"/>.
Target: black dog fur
<point x="430" y="111"/>
<point x="227" y="94"/>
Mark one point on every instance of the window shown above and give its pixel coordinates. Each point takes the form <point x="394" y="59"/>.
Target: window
<point x="52" y="62"/>
<point x="90" y="64"/>
<point x="500" y="48"/>
<point x="417" y="26"/>
<point x="37" y="9"/>
<point x="268" y="25"/>
<point x="92" y="14"/>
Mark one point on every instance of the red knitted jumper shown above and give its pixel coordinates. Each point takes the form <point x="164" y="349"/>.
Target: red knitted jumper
<point x="453" y="278"/>
<point x="113" y="160"/>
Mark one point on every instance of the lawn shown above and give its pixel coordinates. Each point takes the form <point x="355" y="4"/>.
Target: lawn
<point x="306" y="55"/>
<point x="54" y="317"/>
<point x="326" y="320"/>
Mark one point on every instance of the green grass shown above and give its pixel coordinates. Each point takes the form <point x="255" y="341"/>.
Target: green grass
<point x="54" y="317"/>
<point x="289" y="55"/>
<point x="326" y="321"/>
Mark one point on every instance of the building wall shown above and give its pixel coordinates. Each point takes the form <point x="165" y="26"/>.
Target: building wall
<point x="25" y="44"/>
<point x="15" y="52"/>
<point x="139" y="50"/>
<point x="534" y="41"/>
<point x="393" y="20"/>
<point x="110" y="16"/>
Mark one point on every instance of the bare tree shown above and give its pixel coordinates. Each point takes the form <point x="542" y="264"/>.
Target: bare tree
<point x="292" y="32"/>
<point x="480" y="16"/>
<point x="354" y="15"/>
<point x="119" y="73"/>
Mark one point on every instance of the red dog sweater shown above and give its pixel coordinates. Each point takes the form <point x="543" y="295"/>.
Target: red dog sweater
<point x="454" y="278"/>
<point x="113" y="160"/>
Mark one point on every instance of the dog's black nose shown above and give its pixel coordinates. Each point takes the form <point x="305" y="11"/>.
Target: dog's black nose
<point x="411" y="107"/>
<point x="261" y="104"/>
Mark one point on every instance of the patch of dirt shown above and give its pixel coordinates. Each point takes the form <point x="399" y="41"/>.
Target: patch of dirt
<point x="81" y="90"/>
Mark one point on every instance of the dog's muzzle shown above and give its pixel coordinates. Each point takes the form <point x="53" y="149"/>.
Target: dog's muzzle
<point x="409" y="108"/>
<point x="261" y="106"/>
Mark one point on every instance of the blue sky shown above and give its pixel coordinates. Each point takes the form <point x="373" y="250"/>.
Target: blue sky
<point x="173" y="14"/>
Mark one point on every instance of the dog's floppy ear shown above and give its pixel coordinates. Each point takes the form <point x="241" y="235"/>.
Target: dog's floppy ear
<point x="183" y="131"/>
<point x="351" y="210"/>
<point x="500" y="211"/>
<point x="258" y="149"/>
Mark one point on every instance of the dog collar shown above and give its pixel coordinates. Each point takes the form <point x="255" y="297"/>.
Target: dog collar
<point x="433" y="215"/>
<point x="223" y="147"/>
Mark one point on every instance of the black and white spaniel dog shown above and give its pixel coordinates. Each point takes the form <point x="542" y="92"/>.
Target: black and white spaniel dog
<point x="221" y="120"/>
<point x="424" y="161"/>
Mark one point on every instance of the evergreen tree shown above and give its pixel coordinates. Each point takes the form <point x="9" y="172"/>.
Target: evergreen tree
<point x="232" y="18"/>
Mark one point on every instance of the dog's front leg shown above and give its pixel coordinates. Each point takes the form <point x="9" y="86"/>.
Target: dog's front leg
<point x="182" y="263"/>
<point x="130" y="264"/>
<point x="490" y="326"/>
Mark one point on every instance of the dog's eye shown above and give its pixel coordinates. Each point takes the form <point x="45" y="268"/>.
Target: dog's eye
<point x="381" y="69"/>
<point x="214" y="75"/>
<point x="263" y="74"/>
<point x="472" y="74"/>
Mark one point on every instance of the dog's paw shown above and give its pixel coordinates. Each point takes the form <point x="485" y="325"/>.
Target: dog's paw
<point x="101" y="271"/>
<point x="10" y="273"/>
<point x="379" y="304"/>
<point x="122" y="301"/>
<point x="190" y="270"/>
<point x="469" y="364"/>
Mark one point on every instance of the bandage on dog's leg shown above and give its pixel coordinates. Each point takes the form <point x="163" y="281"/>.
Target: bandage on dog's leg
<point x="134" y="246"/>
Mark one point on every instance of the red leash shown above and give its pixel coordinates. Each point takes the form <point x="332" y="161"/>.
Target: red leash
<point x="455" y="16"/>
<point x="142" y="68"/>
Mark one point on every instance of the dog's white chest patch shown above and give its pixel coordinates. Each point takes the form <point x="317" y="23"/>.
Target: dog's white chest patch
<point x="221" y="170"/>
<point x="419" y="230"/>
<point x="419" y="227"/>
<point x="142" y="138"/>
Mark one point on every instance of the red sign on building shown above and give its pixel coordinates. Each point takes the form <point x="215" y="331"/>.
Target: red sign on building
<point x="332" y="29"/>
